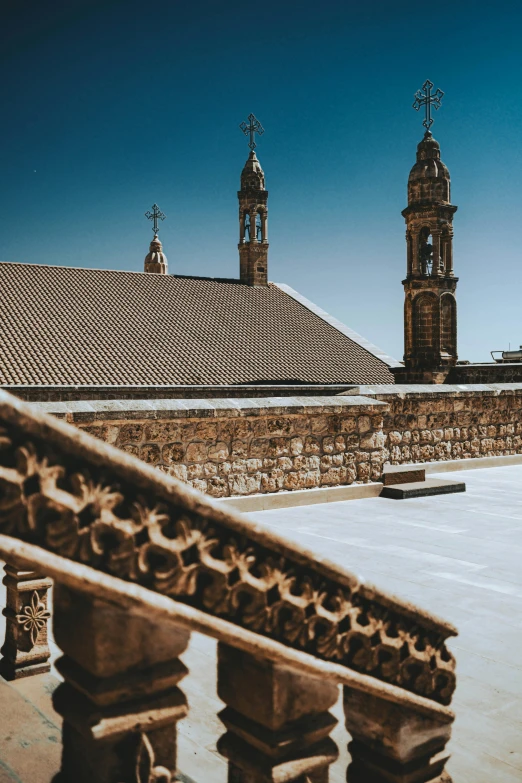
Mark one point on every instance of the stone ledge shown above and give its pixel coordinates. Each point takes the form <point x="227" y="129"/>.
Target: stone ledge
<point x="302" y="497"/>
<point x="96" y="410"/>
<point x="473" y="463"/>
<point x="402" y="390"/>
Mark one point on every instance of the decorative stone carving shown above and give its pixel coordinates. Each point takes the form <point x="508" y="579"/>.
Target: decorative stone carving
<point x="25" y="650"/>
<point x="34" y="616"/>
<point x="156" y="260"/>
<point x="80" y="508"/>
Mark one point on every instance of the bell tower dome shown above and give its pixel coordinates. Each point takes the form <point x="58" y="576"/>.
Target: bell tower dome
<point x="156" y="260"/>
<point x="430" y="307"/>
<point x="253" y="214"/>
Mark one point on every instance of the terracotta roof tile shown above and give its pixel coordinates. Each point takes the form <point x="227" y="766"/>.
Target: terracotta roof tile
<point x="62" y="325"/>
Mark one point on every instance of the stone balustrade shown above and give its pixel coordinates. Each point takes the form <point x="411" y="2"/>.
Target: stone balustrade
<point x="139" y="560"/>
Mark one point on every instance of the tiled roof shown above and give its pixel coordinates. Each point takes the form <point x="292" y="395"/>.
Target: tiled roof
<point x="62" y="325"/>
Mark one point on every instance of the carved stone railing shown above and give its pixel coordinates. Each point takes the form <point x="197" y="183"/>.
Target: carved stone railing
<point x="139" y="559"/>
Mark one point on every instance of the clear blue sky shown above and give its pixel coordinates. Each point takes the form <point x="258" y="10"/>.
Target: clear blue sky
<point x="110" y="106"/>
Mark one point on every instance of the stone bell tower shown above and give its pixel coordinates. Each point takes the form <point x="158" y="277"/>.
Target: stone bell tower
<point x="430" y="307"/>
<point x="253" y="214"/>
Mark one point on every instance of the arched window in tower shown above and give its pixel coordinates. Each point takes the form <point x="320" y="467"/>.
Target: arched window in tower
<point x="246" y="237"/>
<point x="425" y="251"/>
<point x="259" y="229"/>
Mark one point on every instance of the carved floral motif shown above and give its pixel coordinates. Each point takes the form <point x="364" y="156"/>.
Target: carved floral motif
<point x="33" y="617"/>
<point x="81" y="512"/>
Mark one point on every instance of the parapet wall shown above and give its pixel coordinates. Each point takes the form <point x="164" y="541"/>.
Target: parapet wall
<point x="242" y="447"/>
<point x="228" y="447"/>
<point x="435" y="423"/>
<point x="492" y="372"/>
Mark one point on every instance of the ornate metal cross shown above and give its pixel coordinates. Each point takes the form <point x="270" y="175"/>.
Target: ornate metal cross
<point x="155" y="215"/>
<point x="425" y="98"/>
<point x="253" y="127"/>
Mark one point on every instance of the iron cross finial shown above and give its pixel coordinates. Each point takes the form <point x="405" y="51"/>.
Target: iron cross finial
<point x="155" y="215"/>
<point x="425" y="98"/>
<point x="253" y="127"/>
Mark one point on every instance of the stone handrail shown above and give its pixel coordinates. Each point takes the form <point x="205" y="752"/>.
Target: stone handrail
<point x="107" y="526"/>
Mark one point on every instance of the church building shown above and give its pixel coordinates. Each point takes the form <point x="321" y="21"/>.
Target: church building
<point x="63" y="327"/>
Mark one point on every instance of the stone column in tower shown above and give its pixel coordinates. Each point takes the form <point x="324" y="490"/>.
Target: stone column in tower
<point x="430" y="314"/>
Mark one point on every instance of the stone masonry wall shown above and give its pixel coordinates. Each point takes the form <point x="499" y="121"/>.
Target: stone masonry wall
<point x="243" y="446"/>
<point x="492" y="372"/>
<point x="437" y="423"/>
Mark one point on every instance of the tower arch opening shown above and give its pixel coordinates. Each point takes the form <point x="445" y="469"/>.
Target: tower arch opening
<point x="425" y="251"/>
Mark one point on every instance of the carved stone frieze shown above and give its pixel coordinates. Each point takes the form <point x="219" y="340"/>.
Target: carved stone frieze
<point x="80" y="509"/>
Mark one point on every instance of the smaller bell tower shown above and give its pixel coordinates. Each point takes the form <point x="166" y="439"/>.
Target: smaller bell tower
<point x="430" y="307"/>
<point x="253" y="214"/>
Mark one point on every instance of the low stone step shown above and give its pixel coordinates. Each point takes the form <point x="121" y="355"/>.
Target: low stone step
<point x="401" y="474"/>
<point x="419" y="489"/>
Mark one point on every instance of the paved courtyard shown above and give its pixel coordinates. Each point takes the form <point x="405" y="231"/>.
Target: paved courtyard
<point x="458" y="555"/>
<point x="461" y="557"/>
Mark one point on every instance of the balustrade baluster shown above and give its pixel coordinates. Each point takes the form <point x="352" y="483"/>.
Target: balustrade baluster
<point x="277" y="720"/>
<point x="392" y="743"/>
<point x="119" y="700"/>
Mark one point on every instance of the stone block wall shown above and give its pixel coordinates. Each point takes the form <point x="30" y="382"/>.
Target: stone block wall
<point x="438" y="423"/>
<point x="228" y="447"/>
<point x="492" y="372"/>
<point x="243" y="447"/>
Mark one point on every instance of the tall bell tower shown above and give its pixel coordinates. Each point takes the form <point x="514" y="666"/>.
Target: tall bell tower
<point x="253" y="214"/>
<point x="430" y="307"/>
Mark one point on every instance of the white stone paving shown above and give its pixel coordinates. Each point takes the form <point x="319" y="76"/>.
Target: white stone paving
<point x="461" y="557"/>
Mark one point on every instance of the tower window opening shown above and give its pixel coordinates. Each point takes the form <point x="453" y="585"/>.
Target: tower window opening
<point x="426" y="252"/>
<point x="246" y="236"/>
<point x="259" y="230"/>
